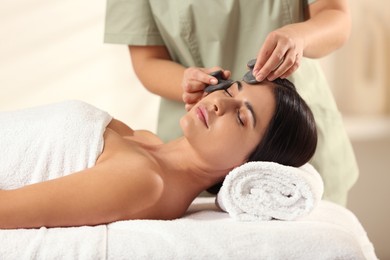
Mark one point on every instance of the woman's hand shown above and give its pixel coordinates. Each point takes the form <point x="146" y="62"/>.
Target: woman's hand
<point x="280" y="54"/>
<point x="327" y="28"/>
<point x="195" y="80"/>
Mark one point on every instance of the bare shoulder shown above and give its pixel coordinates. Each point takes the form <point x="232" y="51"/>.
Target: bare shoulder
<point x="150" y="193"/>
<point x="143" y="191"/>
<point x="137" y="182"/>
<point x="146" y="183"/>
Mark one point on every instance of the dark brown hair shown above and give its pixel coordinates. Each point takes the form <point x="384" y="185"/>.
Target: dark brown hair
<point x="291" y="136"/>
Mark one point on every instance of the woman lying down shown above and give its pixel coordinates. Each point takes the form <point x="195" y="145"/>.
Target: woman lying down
<point x="56" y="172"/>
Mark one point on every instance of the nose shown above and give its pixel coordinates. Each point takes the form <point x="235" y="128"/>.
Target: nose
<point x="223" y="105"/>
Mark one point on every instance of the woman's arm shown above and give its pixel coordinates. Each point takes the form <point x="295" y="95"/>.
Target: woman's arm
<point x="94" y="196"/>
<point x="157" y="72"/>
<point x="166" y="78"/>
<point x="327" y="29"/>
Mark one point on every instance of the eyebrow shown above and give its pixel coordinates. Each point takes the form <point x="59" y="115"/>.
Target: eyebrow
<point x="247" y="104"/>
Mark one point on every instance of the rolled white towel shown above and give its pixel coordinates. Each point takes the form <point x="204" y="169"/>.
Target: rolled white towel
<point x="268" y="190"/>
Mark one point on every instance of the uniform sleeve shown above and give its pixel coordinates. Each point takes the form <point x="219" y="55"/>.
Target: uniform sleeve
<point x="131" y="22"/>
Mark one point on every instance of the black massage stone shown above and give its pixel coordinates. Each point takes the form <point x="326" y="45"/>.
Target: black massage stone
<point x="222" y="83"/>
<point x="226" y="83"/>
<point x="248" y="77"/>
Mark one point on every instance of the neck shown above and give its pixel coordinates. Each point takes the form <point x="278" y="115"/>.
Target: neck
<point x="185" y="169"/>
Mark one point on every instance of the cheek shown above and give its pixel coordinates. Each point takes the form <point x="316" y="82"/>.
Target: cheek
<point x="223" y="146"/>
<point x="226" y="156"/>
<point x="244" y="145"/>
<point x="231" y="147"/>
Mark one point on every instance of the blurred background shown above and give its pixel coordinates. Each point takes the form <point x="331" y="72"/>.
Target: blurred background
<point x="359" y="75"/>
<point x="53" y="50"/>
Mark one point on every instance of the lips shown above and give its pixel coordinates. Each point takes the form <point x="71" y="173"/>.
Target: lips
<point x="201" y="113"/>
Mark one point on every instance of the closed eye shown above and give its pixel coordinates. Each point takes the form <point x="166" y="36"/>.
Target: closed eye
<point x="239" y="118"/>
<point x="228" y="93"/>
<point x="247" y="104"/>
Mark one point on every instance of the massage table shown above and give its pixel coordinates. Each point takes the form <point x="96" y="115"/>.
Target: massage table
<point x="205" y="232"/>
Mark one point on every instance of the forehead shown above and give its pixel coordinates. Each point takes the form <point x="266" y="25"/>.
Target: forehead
<point x="257" y="93"/>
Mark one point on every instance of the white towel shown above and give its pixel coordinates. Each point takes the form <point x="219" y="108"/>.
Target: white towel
<point x="267" y="190"/>
<point x="50" y="141"/>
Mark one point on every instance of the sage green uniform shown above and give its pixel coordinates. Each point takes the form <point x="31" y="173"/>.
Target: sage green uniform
<point x="228" y="33"/>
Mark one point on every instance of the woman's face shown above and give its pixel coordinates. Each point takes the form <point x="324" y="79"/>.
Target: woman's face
<point x="226" y="125"/>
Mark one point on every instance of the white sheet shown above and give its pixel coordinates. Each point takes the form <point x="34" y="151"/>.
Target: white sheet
<point x="329" y="232"/>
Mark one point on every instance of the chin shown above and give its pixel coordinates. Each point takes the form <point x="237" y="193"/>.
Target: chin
<point x="186" y="125"/>
<point x="183" y="122"/>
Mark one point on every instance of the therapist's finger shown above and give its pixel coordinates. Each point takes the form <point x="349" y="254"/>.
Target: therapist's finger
<point x="294" y="67"/>
<point x="290" y="71"/>
<point x="226" y="74"/>
<point x="192" y="98"/>
<point x="195" y="79"/>
<point x="191" y="86"/>
<point x="264" y="54"/>
<point x="275" y="60"/>
<point x="290" y="60"/>
<point x="189" y="106"/>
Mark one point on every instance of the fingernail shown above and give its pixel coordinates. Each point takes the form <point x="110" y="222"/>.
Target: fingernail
<point x="260" y="77"/>
<point x="213" y="81"/>
<point x="255" y="72"/>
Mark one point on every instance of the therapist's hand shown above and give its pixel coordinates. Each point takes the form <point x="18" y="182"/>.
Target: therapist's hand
<point x="280" y="54"/>
<point x="195" y="80"/>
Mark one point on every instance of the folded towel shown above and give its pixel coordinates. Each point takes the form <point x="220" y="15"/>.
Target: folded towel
<point x="267" y="190"/>
<point x="50" y="141"/>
